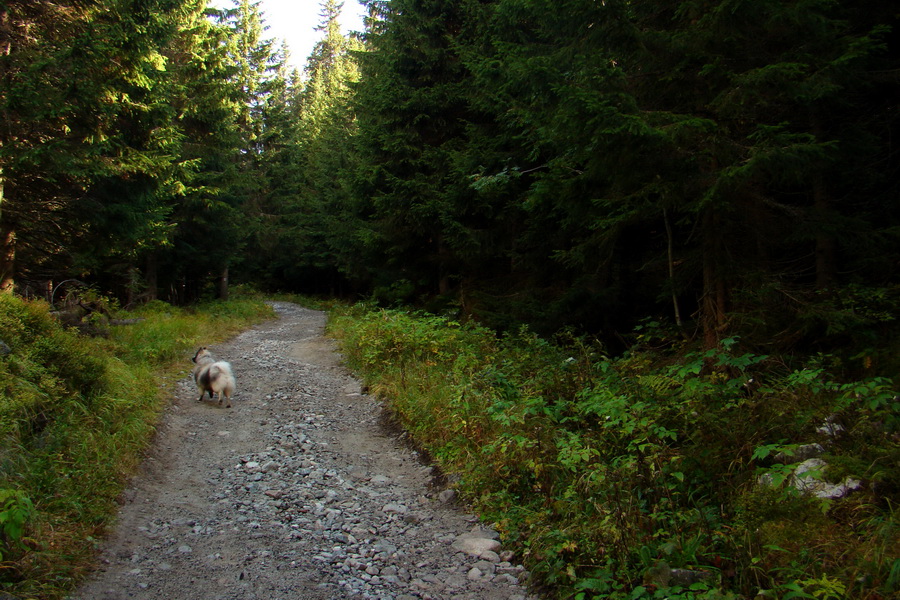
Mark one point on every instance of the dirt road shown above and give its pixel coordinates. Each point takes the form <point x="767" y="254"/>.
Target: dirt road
<point x="297" y="492"/>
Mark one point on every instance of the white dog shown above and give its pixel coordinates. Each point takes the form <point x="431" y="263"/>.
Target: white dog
<point x="213" y="376"/>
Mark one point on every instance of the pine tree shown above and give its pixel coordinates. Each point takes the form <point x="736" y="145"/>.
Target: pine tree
<point x="324" y="221"/>
<point x="125" y="214"/>
<point x="330" y="71"/>
<point x="205" y="101"/>
<point x="281" y="162"/>
<point x="763" y="108"/>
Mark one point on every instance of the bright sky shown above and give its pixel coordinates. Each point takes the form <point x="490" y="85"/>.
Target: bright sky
<point x="295" y="21"/>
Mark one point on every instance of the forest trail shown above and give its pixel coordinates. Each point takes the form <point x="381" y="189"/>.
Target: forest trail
<point x="297" y="492"/>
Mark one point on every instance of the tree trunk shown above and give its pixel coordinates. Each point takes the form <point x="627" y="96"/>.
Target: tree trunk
<point x="713" y="306"/>
<point x="443" y="258"/>
<point x="7" y="257"/>
<point x="7" y="231"/>
<point x="826" y="247"/>
<point x="151" y="275"/>
<point x="131" y="287"/>
<point x="223" y="284"/>
<point x="670" y="247"/>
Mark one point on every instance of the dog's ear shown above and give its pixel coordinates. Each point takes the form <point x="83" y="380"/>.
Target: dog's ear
<point x="197" y="353"/>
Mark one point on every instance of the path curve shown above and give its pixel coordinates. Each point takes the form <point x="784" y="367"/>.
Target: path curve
<point x="296" y="493"/>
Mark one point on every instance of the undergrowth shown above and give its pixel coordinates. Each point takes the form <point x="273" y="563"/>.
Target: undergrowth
<point x="76" y="413"/>
<point x="656" y="474"/>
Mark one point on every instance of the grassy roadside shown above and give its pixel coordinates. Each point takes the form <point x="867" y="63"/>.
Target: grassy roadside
<point x="76" y="413"/>
<point x="639" y="476"/>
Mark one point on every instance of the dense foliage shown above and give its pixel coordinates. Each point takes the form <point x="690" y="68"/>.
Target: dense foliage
<point x="657" y="474"/>
<point x="76" y="414"/>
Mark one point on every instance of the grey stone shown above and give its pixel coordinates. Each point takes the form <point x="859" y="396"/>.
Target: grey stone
<point x="447" y="496"/>
<point x="475" y="545"/>
<point x="801" y="453"/>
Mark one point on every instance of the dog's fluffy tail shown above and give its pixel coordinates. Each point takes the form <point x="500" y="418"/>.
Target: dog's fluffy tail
<point x="222" y="378"/>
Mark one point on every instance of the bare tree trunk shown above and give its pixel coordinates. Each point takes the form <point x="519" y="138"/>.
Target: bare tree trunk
<point x="223" y="284"/>
<point x="7" y="231"/>
<point x="671" y="257"/>
<point x="7" y="257"/>
<point x="131" y="286"/>
<point x="443" y="257"/>
<point x="714" y="304"/>
<point x="152" y="277"/>
<point x="826" y="247"/>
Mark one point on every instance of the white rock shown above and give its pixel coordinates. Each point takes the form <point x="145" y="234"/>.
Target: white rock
<point x="804" y="481"/>
<point x="475" y="545"/>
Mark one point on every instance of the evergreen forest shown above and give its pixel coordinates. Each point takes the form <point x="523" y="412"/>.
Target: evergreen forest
<point x="729" y="167"/>
<point x="691" y="199"/>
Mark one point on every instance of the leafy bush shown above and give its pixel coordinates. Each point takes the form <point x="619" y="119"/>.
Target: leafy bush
<point x="16" y="510"/>
<point x="611" y="474"/>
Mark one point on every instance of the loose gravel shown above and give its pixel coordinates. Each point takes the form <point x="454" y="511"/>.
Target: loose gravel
<point x="298" y="492"/>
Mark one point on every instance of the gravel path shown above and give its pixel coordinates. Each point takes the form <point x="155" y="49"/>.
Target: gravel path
<point x="297" y="493"/>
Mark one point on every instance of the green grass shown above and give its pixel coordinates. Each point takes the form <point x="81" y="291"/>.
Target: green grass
<point x="75" y="415"/>
<point x="607" y="473"/>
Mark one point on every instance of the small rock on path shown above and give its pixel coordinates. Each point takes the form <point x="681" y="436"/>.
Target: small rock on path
<point x="296" y="493"/>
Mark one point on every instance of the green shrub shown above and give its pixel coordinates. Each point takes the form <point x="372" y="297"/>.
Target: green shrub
<point x="16" y="510"/>
<point x="606" y="473"/>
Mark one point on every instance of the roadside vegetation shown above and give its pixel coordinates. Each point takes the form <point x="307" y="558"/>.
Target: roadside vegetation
<point x="668" y="471"/>
<point x="76" y="414"/>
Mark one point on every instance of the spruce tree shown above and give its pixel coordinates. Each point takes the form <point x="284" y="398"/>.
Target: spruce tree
<point x="230" y="76"/>
<point x="413" y="106"/>
<point x="206" y="102"/>
<point x="36" y="41"/>
<point x="325" y="218"/>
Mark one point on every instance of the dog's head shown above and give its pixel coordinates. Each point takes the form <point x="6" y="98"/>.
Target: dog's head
<point x="201" y="352"/>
